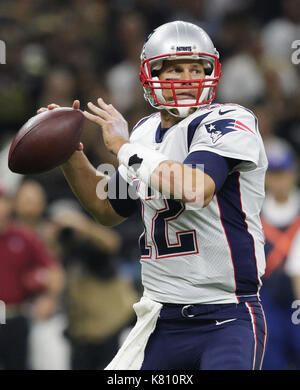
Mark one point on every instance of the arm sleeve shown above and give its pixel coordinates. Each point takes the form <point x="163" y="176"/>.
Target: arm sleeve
<point x="233" y="135"/>
<point x="214" y="165"/>
<point x="120" y="196"/>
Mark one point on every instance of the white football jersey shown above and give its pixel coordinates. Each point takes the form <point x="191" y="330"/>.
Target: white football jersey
<point x="214" y="254"/>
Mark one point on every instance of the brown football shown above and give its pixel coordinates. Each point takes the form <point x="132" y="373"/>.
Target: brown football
<point x="46" y="141"/>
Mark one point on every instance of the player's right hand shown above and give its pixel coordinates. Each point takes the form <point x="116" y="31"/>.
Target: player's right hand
<point x="75" y="105"/>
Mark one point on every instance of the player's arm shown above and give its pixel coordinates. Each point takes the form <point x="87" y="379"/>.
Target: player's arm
<point x="200" y="177"/>
<point x="171" y="178"/>
<point x="182" y="182"/>
<point x="83" y="180"/>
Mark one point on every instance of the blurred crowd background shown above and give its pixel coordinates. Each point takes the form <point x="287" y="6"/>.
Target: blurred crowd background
<point x="69" y="304"/>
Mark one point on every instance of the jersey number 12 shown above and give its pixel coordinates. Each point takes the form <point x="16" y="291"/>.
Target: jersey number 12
<point x="186" y="240"/>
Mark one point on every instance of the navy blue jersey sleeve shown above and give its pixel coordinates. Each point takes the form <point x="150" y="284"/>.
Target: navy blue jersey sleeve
<point x="215" y="165"/>
<point x="121" y="201"/>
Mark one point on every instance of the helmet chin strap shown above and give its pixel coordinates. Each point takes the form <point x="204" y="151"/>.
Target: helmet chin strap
<point x="182" y="112"/>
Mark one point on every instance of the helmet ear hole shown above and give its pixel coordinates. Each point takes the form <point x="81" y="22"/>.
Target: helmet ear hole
<point x="155" y="73"/>
<point x="208" y="67"/>
<point x="208" y="72"/>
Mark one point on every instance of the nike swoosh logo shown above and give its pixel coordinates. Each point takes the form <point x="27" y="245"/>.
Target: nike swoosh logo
<point x="223" y="322"/>
<point x="225" y="112"/>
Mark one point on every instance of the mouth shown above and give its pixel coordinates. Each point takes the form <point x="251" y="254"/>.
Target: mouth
<point x="185" y="95"/>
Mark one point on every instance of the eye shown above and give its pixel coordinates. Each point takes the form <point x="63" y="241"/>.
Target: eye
<point x="197" y="71"/>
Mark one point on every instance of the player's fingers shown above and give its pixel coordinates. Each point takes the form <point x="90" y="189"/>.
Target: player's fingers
<point x="109" y="108"/>
<point x="96" y="110"/>
<point x="42" y="109"/>
<point x="104" y="106"/>
<point x="52" y="106"/>
<point x="76" y="104"/>
<point x="49" y="107"/>
<point x="94" y="118"/>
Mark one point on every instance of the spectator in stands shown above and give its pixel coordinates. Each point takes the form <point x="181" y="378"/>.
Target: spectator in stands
<point x="27" y="271"/>
<point x="30" y="208"/>
<point x="94" y="288"/>
<point x="122" y="80"/>
<point x="279" y="33"/>
<point x="252" y="75"/>
<point x="281" y="286"/>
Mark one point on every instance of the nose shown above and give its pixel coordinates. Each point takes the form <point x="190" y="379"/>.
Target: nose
<point x="186" y="75"/>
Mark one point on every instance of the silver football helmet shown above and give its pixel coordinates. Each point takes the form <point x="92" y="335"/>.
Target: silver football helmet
<point x="172" y="41"/>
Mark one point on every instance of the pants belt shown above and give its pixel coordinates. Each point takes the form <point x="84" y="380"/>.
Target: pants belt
<point x="192" y="310"/>
<point x="170" y="310"/>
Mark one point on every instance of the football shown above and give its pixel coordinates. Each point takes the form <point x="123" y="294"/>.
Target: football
<point x="46" y="141"/>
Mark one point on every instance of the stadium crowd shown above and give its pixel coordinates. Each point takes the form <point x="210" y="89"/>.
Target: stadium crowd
<point x="60" y="51"/>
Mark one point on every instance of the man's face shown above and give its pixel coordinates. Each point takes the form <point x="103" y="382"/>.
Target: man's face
<point x="280" y="183"/>
<point x="30" y="201"/>
<point x="181" y="70"/>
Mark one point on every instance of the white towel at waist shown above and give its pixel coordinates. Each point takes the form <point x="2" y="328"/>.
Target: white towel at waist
<point x="131" y="354"/>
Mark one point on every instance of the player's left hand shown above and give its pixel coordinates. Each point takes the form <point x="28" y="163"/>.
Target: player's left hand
<point x="114" y="126"/>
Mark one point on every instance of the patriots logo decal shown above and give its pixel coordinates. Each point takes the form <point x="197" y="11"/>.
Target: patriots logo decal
<point x="221" y="127"/>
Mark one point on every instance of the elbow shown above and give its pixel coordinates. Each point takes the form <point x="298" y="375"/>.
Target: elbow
<point x="101" y="219"/>
<point x="102" y="214"/>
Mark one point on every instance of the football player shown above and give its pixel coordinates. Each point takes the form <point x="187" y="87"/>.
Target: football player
<point x="202" y="250"/>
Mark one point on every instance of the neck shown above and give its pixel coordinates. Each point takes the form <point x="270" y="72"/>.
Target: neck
<point x="168" y="120"/>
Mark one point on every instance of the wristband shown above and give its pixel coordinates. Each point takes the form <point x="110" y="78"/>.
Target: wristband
<point x="140" y="160"/>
